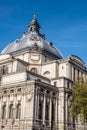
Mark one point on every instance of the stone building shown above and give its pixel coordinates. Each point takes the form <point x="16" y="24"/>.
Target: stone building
<point x="36" y="83"/>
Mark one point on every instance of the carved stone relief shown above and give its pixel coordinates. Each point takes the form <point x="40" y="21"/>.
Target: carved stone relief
<point x="4" y="99"/>
<point x="19" y="97"/>
<point x="35" y="38"/>
<point x="11" y="98"/>
<point x="29" y="91"/>
<point x="34" y="46"/>
<point x="29" y="96"/>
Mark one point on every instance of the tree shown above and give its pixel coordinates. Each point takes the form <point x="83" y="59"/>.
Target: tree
<point x="79" y="105"/>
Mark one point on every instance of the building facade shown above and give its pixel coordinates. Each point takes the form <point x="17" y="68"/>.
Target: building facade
<point x="36" y="84"/>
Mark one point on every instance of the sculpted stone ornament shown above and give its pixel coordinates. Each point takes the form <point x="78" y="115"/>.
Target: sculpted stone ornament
<point x="29" y="89"/>
<point x="29" y="93"/>
<point x="34" y="38"/>
<point x="11" y="98"/>
<point x="34" y="46"/>
<point x="29" y="96"/>
<point x="4" y="99"/>
<point x="18" y="97"/>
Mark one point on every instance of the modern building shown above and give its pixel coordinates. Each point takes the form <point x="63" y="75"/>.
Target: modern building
<point x="36" y="84"/>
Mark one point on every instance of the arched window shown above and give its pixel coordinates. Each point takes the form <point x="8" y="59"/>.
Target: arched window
<point x="34" y="70"/>
<point x="18" y="111"/>
<point x="4" y="112"/>
<point x="11" y="111"/>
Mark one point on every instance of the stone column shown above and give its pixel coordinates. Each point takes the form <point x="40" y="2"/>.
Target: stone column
<point x="36" y="104"/>
<point x="50" y="109"/>
<point x="0" y="108"/>
<point x="7" y="108"/>
<point x="76" y="74"/>
<point x="1" y="104"/>
<point x="56" y="112"/>
<point x="14" y="107"/>
<point x="23" y="108"/>
<point x="72" y="73"/>
<point x="44" y="104"/>
<point x="67" y="110"/>
<point x="61" y="109"/>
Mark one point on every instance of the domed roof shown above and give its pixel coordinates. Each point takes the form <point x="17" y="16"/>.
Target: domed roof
<point x="30" y="39"/>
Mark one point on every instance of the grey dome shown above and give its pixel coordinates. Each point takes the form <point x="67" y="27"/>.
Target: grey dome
<point x="29" y="39"/>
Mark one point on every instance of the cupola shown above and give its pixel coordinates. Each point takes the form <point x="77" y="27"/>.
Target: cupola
<point x="34" y="25"/>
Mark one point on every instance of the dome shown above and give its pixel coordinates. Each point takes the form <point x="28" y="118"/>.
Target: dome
<point x="30" y="39"/>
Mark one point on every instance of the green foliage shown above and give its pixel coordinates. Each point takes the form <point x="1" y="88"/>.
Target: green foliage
<point x="79" y="105"/>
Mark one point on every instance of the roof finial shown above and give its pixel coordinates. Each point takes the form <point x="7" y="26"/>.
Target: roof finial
<point x="34" y="15"/>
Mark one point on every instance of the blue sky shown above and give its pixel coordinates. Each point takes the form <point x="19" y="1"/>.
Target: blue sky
<point x="63" y="21"/>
